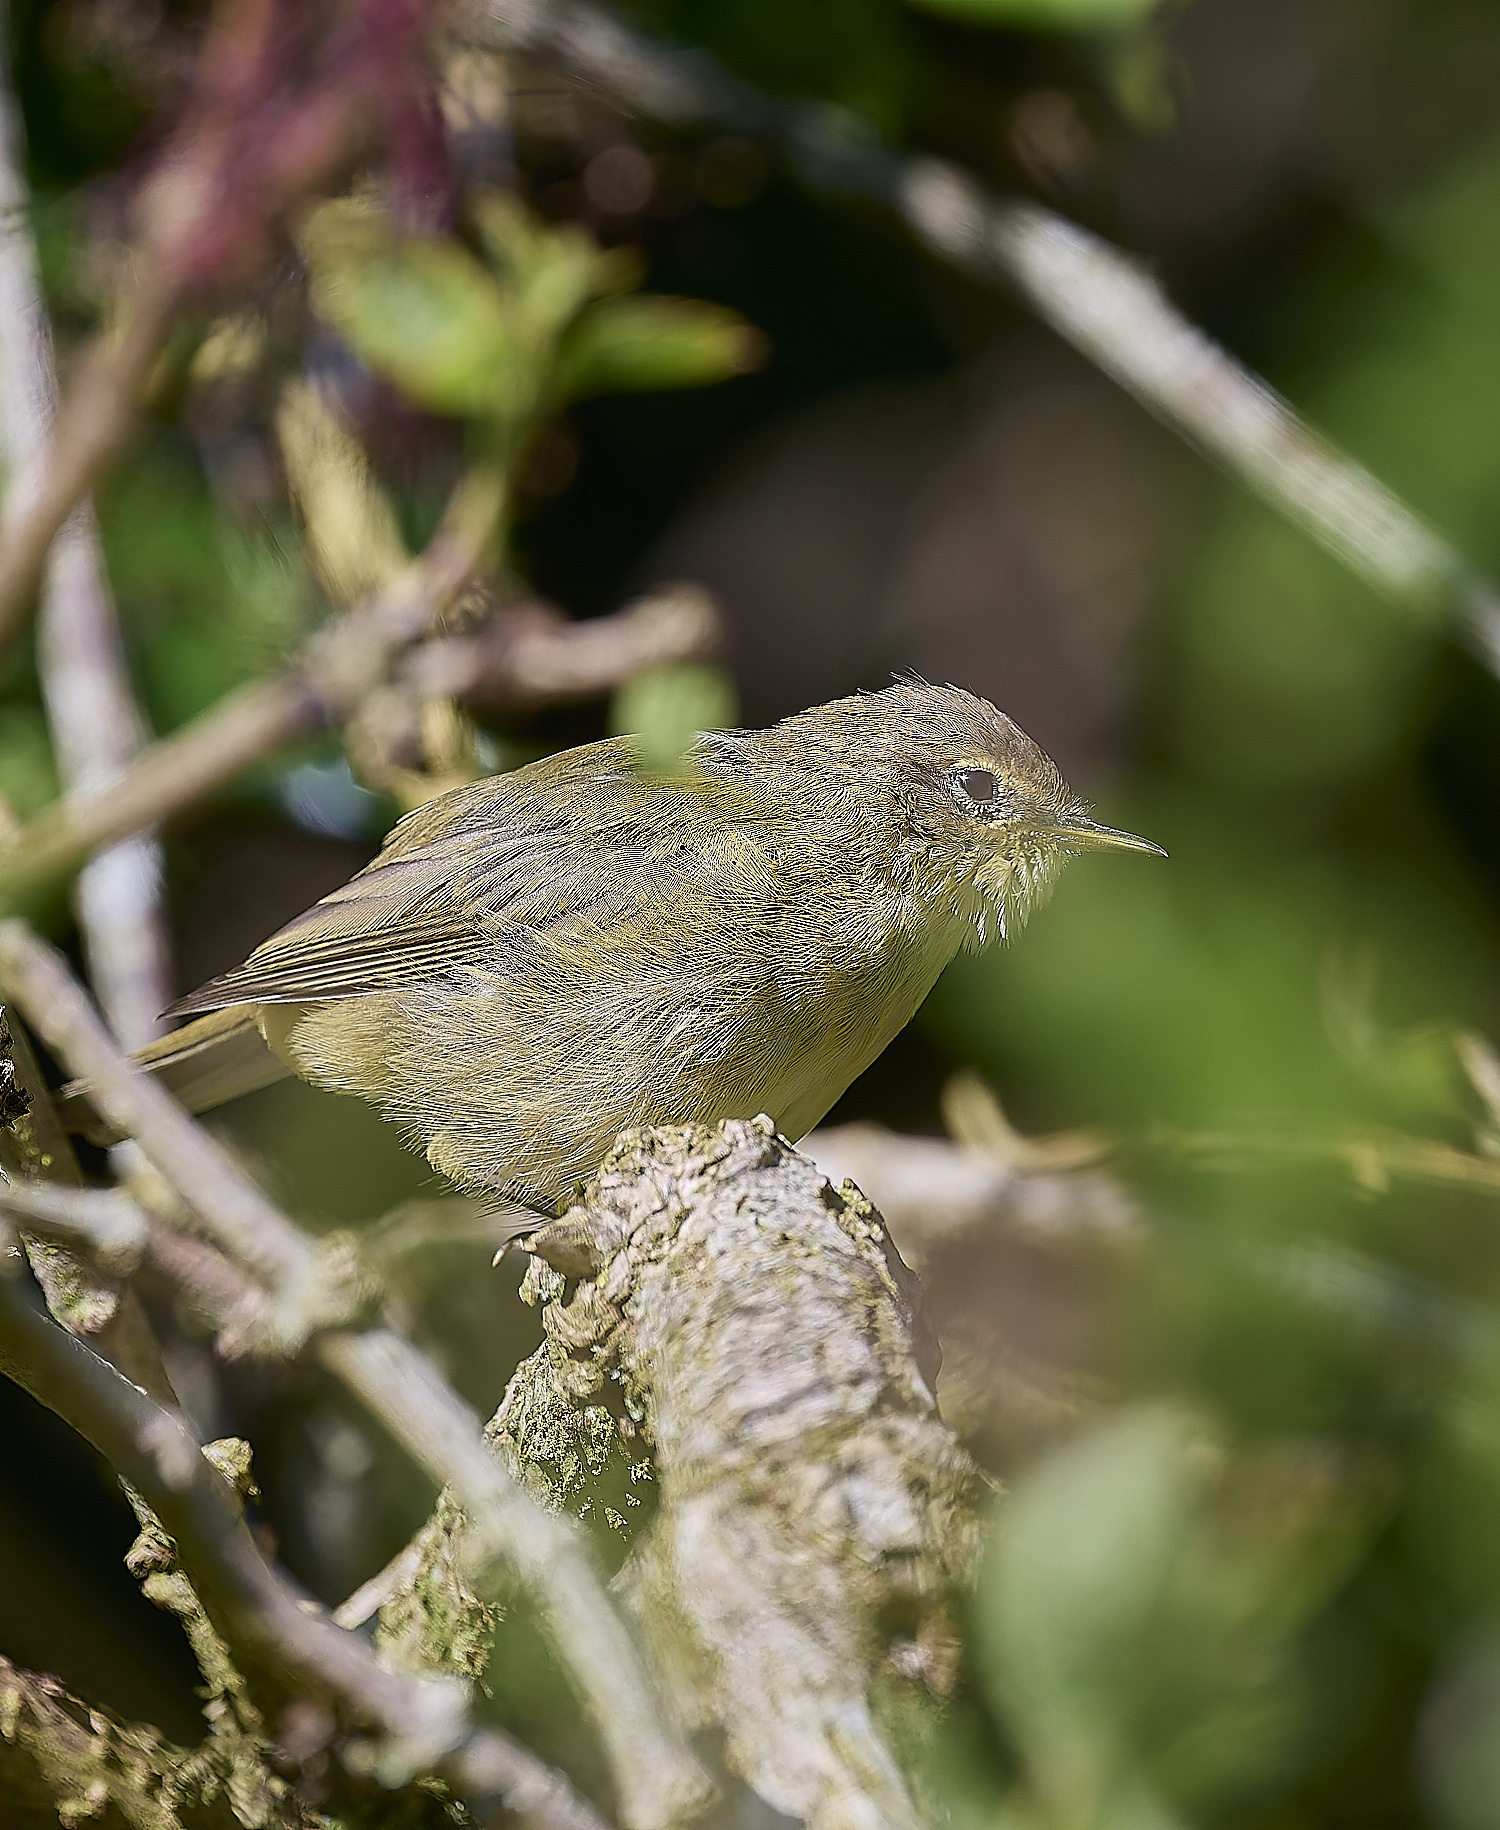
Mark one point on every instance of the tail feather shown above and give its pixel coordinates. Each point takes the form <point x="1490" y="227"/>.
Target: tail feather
<point x="204" y="1064"/>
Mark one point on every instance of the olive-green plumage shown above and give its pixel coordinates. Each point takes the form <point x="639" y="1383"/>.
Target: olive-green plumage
<point x="538" y="960"/>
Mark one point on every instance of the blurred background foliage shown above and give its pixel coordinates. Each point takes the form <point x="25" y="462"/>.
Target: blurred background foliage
<point x="1248" y="1572"/>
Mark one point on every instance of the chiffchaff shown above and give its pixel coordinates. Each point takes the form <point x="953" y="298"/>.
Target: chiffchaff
<point x="536" y="961"/>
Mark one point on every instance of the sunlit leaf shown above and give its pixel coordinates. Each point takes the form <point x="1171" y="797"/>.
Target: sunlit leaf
<point x="648" y="341"/>
<point x="422" y="311"/>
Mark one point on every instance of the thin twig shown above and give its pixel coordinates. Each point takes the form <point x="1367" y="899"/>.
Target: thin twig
<point x="333" y="671"/>
<point x="269" y="1626"/>
<point x="658" y="1779"/>
<point x="371" y="1596"/>
<point x="238" y="1215"/>
<point x="1092" y="294"/>
<point x="261" y="1618"/>
<point x="104" y="1223"/>
<point x="530" y="655"/>
<point x="91" y="708"/>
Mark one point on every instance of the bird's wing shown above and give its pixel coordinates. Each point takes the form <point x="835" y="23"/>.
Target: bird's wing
<point x="575" y="838"/>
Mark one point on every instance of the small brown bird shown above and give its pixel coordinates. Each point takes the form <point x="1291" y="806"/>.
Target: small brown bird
<point x="538" y="960"/>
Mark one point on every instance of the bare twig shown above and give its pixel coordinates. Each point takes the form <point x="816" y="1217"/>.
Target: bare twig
<point x="230" y="1205"/>
<point x="83" y="1290"/>
<point x="530" y="656"/>
<point x="1372" y="1158"/>
<point x="105" y="1223"/>
<point x="372" y="1595"/>
<point x="658" y="1779"/>
<point x="1092" y="294"/>
<point x="96" y="723"/>
<point x="331" y="674"/>
<point x="930" y="1190"/>
<point x="268" y="1625"/>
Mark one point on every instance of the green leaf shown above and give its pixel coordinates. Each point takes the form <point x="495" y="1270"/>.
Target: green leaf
<point x="666" y="707"/>
<point x="648" y="341"/>
<point x="423" y="312"/>
<point x="1049" y="15"/>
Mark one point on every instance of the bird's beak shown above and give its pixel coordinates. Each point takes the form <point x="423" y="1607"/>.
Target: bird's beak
<point x="1089" y="835"/>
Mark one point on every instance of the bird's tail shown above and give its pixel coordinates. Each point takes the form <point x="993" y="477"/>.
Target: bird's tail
<point x="207" y="1062"/>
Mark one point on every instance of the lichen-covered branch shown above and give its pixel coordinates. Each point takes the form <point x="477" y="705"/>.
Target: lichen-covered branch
<point x="723" y="1325"/>
<point x="63" y="1760"/>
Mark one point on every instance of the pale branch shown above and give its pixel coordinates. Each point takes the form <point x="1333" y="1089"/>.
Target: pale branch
<point x="85" y="1294"/>
<point x="95" y="722"/>
<point x="1094" y="295"/>
<point x="528" y="655"/>
<point x="309" y="1291"/>
<point x="371" y="1596"/>
<point x="89" y="431"/>
<point x="105" y="1224"/>
<point x="658" y="1780"/>
<point x="930" y="1190"/>
<point x="535" y="660"/>
<point x="725" y="1330"/>
<point x="269" y="1627"/>
<point x="334" y="670"/>
<point x="230" y="1206"/>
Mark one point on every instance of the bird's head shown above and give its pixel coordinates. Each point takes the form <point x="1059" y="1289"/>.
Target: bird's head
<point x="976" y="814"/>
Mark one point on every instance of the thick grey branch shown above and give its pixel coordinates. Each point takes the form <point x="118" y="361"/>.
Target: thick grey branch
<point x="714" y="1308"/>
<point x="1092" y="294"/>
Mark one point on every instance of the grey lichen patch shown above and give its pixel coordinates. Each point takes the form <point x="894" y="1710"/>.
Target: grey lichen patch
<point x="435" y="1621"/>
<point x="720" y="1319"/>
<point x="66" y="1762"/>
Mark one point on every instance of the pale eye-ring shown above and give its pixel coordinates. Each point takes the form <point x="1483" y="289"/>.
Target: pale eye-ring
<point x="977" y="785"/>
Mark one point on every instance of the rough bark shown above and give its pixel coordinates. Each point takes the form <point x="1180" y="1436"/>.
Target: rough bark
<point x="726" y="1329"/>
<point x="65" y="1761"/>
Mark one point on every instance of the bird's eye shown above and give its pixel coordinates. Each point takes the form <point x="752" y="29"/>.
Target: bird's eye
<point x="977" y="785"/>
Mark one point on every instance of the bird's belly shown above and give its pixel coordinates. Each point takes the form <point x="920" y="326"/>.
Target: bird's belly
<point x="853" y="1026"/>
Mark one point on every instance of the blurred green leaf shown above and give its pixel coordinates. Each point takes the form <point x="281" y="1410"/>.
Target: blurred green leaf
<point x="666" y="707"/>
<point x="549" y="272"/>
<point x="1139" y="1610"/>
<point x="655" y="342"/>
<point x="28" y="774"/>
<point x="422" y="311"/>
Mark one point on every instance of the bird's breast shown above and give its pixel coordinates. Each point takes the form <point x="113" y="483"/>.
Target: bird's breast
<point x="848" y="1021"/>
